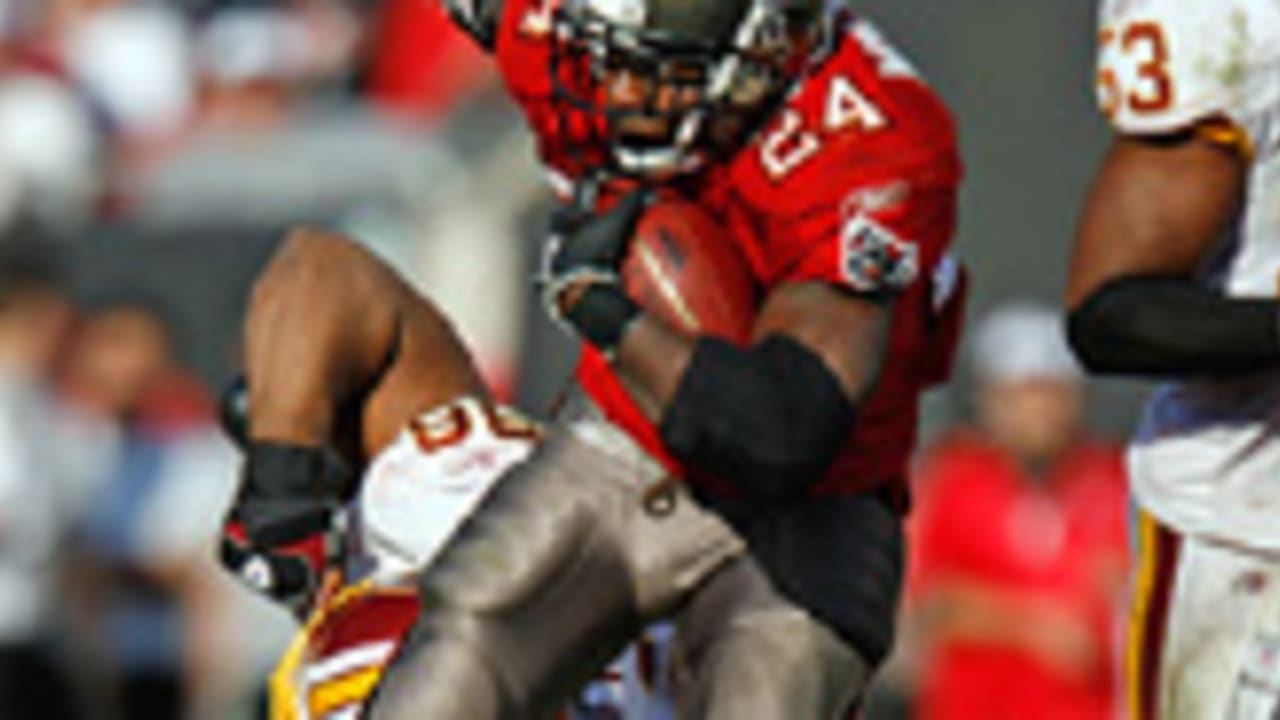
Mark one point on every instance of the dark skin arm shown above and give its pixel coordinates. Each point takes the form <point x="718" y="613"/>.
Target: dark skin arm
<point x="332" y="331"/>
<point x="1157" y="207"/>
<point x="848" y="332"/>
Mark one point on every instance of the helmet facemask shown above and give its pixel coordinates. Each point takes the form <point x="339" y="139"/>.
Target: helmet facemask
<point x="666" y="103"/>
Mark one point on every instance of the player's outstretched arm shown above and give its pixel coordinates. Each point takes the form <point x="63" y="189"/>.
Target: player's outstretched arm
<point x="332" y="330"/>
<point x="321" y="324"/>
<point x="333" y="338"/>
<point x="1156" y="214"/>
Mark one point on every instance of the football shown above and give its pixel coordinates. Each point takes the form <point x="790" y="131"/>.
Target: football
<point x="683" y="267"/>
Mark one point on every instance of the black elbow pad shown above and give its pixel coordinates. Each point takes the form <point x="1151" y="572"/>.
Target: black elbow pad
<point x="1130" y="324"/>
<point x="1162" y="326"/>
<point x="1089" y="328"/>
<point x="768" y="419"/>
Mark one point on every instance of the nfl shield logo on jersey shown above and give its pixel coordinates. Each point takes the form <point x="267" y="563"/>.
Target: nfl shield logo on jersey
<point x="873" y="258"/>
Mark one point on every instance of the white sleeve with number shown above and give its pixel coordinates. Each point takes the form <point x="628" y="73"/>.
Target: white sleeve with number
<point x="1167" y="65"/>
<point x="419" y="489"/>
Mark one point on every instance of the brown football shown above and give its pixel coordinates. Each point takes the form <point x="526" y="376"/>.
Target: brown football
<point x="684" y="268"/>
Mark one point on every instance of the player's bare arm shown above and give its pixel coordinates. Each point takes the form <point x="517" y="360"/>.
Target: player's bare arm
<point x="1158" y="210"/>
<point x="311" y="344"/>
<point x="331" y="327"/>
<point x="846" y="331"/>
<point x="334" y="339"/>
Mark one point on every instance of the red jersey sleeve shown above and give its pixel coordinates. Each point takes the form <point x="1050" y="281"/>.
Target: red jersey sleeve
<point x="880" y="240"/>
<point x="855" y="180"/>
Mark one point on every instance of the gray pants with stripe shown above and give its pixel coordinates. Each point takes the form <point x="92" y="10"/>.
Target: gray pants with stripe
<point x="567" y="559"/>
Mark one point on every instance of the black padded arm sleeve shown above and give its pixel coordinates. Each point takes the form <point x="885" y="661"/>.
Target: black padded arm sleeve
<point x="1161" y="326"/>
<point x="768" y="419"/>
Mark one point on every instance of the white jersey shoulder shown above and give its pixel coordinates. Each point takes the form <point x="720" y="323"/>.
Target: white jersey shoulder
<point x="1166" y="65"/>
<point x="419" y="489"/>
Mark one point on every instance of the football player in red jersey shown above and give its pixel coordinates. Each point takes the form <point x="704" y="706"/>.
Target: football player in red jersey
<point x="834" y="168"/>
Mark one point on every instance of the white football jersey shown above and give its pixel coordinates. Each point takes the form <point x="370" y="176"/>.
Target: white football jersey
<point x="420" y="488"/>
<point x="1206" y="460"/>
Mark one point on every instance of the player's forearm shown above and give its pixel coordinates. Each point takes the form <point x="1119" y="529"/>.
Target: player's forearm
<point x="317" y="329"/>
<point x="770" y="416"/>
<point x="652" y="358"/>
<point x="1157" y="211"/>
<point x="1166" y="326"/>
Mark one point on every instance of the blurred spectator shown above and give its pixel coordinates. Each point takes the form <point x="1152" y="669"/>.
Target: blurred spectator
<point x="49" y="147"/>
<point x="250" y="66"/>
<point x="132" y="59"/>
<point x="120" y="354"/>
<point x="153" y="126"/>
<point x="1019" y="542"/>
<point x="34" y="313"/>
<point x="264" y="145"/>
<point x="156" y="606"/>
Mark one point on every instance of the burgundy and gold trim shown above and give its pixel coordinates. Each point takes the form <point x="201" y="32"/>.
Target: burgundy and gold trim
<point x="1158" y="550"/>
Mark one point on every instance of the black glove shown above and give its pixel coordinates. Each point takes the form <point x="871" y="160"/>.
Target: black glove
<point x="581" y="283"/>
<point x="284" y="529"/>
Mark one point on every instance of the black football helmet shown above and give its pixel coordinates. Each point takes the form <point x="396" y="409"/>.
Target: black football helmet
<point x="699" y="75"/>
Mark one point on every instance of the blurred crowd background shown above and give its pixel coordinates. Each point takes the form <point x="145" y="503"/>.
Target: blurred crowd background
<point x="153" y="151"/>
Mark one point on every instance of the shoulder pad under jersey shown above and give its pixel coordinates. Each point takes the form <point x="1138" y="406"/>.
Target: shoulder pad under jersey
<point x="479" y="18"/>
<point x="1165" y="66"/>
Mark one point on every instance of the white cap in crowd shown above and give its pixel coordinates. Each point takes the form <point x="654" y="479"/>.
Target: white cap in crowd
<point x="250" y="44"/>
<point x="48" y="149"/>
<point x="1022" y="340"/>
<point x="134" y="61"/>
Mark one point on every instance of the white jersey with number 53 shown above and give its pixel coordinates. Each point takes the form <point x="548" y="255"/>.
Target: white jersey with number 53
<point x="1207" y="458"/>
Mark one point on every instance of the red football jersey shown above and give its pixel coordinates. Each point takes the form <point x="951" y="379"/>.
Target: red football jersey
<point x="852" y="182"/>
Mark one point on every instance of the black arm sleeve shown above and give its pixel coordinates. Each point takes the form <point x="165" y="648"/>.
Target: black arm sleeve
<point x="768" y="419"/>
<point x="1162" y="326"/>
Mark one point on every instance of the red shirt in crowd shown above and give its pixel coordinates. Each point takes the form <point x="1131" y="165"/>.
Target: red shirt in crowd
<point x="1046" y="548"/>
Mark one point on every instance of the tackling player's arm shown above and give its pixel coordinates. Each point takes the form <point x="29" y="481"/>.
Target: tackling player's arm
<point x="333" y="332"/>
<point x="1173" y="182"/>
<point x="1157" y="211"/>
<point x="333" y="337"/>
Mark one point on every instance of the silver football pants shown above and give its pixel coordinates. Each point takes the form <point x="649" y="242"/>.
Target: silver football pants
<point x="571" y="554"/>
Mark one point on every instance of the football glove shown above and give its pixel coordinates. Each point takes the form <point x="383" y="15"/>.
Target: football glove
<point x="581" y="281"/>
<point x="284" y="529"/>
